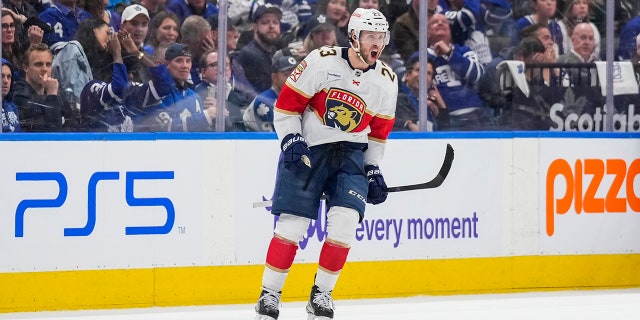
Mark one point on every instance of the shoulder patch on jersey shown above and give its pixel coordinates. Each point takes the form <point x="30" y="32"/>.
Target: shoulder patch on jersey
<point x="344" y="111"/>
<point x="295" y="74"/>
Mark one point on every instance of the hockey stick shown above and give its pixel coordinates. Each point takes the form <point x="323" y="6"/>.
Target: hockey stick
<point x="433" y="183"/>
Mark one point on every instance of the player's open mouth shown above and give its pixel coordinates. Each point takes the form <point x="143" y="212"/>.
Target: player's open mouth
<point x="374" y="54"/>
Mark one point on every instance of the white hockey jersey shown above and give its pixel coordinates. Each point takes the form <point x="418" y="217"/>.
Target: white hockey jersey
<point x="328" y="101"/>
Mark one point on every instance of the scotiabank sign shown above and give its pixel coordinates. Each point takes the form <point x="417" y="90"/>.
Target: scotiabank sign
<point x="591" y="186"/>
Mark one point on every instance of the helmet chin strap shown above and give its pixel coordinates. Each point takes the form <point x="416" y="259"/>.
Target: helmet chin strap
<point x="357" y="49"/>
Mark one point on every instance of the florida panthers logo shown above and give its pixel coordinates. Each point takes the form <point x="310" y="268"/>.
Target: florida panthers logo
<point x="344" y="110"/>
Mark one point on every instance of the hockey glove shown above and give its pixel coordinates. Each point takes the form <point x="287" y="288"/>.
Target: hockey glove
<point x="377" y="186"/>
<point x="295" y="153"/>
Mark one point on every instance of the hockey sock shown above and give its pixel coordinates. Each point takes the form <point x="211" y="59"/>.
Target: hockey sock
<point x="273" y="280"/>
<point x="332" y="259"/>
<point x="279" y="259"/>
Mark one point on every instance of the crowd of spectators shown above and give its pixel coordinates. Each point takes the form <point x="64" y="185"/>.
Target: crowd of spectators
<point x="152" y="65"/>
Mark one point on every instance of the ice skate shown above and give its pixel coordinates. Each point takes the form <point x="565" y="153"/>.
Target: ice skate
<point x="320" y="306"/>
<point x="268" y="306"/>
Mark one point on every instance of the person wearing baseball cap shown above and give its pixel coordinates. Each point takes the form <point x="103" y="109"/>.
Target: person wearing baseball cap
<point x="232" y="32"/>
<point x="170" y="114"/>
<point x="255" y="57"/>
<point x="258" y="116"/>
<point x="135" y="21"/>
<point x="319" y="31"/>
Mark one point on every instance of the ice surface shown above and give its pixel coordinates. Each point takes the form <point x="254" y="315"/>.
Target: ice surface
<point x="583" y="305"/>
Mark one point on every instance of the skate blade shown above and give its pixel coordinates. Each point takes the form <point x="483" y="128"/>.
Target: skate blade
<point x="263" y="317"/>
<point x="313" y="317"/>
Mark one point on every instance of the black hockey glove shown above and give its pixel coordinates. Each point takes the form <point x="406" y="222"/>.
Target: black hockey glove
<point x="295" y="153"/>
<point x="377" y="186"/>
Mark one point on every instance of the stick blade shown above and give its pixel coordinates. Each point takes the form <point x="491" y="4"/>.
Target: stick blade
<point x="435" y="182"/>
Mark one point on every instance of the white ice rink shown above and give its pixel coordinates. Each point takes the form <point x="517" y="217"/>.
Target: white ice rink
<point x="583" y="305"/>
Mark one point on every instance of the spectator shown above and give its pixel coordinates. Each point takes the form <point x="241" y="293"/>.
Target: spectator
<point x="181" y="110"/>
<point x="583" y="51"/>
<point x="405" y="33"/>
<point x="154" y="7"/>
<point x="498" y="97"/>
<point x="457" y="71"/>
<point x="544" y="12"/>
<point x="207" y="89"/>
<point x="577" y="11"/>
<point x="294" y="12"/>
<point x="38" y="98"/>
<point x="195" y="32"/>
<point x="64" y="18"/>
<point x="186" y="8"/>
<point x="21" y="11"/>
<point x="470" y="18"/>
<point x="259" y="114"/>
<point x="232" y="33"/>
<point x="135" y="20"/>
<point x="113" y="106"/>
<point x="135" y="24"/>
<point x="93" y="35"/>
<point x="319" y="31"/>
<point x="98" y="9"/>
<point x="12" y="48"/>
<point x="163" y="28"/>
<point x="628" y="40"/>
<point x="26" y="19"/>
<point x="255" y="57"/>
<point x="367" y="4"/>
<point x="544" y="76"/>
<point x="408" y="106"/>
<point x="337" y="11"/>
<point x="10" y="118"/>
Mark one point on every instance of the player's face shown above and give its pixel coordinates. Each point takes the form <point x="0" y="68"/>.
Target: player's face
<point x="39" y="64"/>
<point x="137" y="28"/>
<point x="6" y="80"/>
<point x="168" y="31"/>
<point x="179" y="68"/>
<point x="371" y="45"/>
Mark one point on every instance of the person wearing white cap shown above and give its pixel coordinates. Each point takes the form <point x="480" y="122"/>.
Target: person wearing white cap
<point x="135" y="24"/>
<point x="135" y="20"/>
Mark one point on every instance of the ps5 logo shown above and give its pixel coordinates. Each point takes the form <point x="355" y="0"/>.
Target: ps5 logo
<point x="96" y="178"/>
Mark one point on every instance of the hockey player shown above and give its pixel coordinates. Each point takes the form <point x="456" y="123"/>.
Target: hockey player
<point x="332" y="118"/>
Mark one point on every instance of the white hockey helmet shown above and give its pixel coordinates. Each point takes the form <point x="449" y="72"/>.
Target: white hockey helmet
<point x="368" y="20"/>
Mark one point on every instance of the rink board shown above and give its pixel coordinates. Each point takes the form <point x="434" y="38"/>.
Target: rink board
<point x="165" y="220"/>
